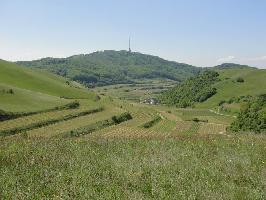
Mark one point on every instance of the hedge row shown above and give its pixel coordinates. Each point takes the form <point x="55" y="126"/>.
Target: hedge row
<point x="16" y="130"/>
<point x="152" y="122"/>
<point x="99" y="125"/>
<point x="12" y="115"/>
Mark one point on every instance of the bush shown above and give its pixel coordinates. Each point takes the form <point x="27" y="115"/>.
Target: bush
<point x="152" y="122"/>
<point x="221" y="102"/>
<point x="5" y="115"/>
<point x="252" y="116"/>
<point x="72" y="105"/>
<point x="9" y="91"/>
<point x="195" y="119"/>
<point x="121" y="118"/>
<point x="240" y="80"/>
<point x="97" y="98"/>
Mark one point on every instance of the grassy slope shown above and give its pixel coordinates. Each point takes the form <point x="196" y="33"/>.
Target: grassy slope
<point x="211" y="168"/>
<point x="41" y="164"/>
<point x="34" y="90"/>
<point x="26" y="100"/>
<point x="255" y="83"/>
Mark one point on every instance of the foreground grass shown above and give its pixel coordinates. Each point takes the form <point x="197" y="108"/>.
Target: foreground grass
<point x="191" y="168"/>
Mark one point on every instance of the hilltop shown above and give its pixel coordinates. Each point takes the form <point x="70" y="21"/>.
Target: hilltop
<point x="114" y="67"/>
<point x="24" y="89"/>
<point x="231" y="66"/>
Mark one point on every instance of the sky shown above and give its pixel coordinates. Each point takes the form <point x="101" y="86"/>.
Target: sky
<point x="197" y="32"/>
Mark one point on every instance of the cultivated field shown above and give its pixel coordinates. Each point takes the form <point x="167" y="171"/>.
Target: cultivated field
<point x="174" y="158"/>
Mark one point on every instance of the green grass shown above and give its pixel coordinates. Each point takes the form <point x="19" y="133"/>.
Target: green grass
<point x="211" y="168"/>
<point x="123" y="161"/>
<point x="35" y="90"/>
<point x="254" y="84"/>
<point x="203" y="114"/>
<point x="27" y="101"/>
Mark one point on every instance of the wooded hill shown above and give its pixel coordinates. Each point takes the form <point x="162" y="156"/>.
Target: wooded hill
<point x="114" y="67"/>
<point x="195" y="89"/>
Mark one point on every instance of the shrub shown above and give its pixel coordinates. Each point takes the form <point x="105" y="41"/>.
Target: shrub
<point x="152" y="122"/>
<point x="10" y="91"/>
<point x="195" y="119"/>
<point x="221" y="102"/>
<point x="97" y="98"/>
<point x="121" y="118"/>
<point x="72" y="105"/>
<point x="240" y="80"/>
<point x="252" y="116"/>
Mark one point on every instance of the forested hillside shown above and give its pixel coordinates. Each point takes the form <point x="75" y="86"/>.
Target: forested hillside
<point x="113" y="67"/>
<point x="195" y="89"/>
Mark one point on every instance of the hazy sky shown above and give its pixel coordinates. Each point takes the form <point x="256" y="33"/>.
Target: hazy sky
<point x="198" y="32"/>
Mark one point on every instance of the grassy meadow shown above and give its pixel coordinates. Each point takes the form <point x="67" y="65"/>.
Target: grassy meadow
<point x="212" y="167"/>
<point x="173" y="159"/>
<point x="159" y="152"/>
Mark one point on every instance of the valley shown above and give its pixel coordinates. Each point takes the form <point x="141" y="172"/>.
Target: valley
<point x="61" y="139"/>
<point x="132" y="100"/>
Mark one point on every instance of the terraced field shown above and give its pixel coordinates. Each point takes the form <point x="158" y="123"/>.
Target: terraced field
<point x="170" y="125"/>
<point x="136" y="92"/>
<point x="211" y="128"/>
<point x="98" y="159"/>
<point x="64" y="126"/>
<point x="24" y="121"/>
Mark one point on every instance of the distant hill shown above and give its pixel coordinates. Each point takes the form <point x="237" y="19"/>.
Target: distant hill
<point x="24" y="89"/>
<point x="231" y="66"/>
<point x="113" y="67"/>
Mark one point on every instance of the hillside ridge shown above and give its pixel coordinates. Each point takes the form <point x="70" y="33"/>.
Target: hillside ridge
<point x="23" y="89"/>
<point x="114" y="67"/>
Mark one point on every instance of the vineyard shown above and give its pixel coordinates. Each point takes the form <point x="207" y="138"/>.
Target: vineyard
<point x="147" y="122"/>
<point x="112" y="144"/>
